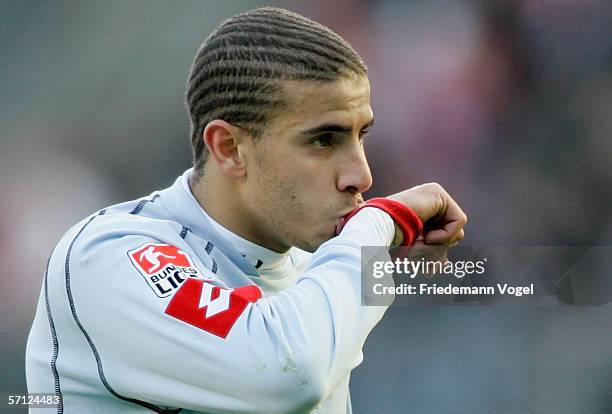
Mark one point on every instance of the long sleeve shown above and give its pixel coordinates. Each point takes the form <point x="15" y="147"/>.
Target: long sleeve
<point x="206" y="347"/>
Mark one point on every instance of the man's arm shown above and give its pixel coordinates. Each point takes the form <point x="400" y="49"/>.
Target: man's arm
<point x="282" y="353"/>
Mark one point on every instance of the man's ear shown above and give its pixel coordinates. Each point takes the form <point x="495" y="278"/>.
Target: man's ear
<point x="222" y="140"/>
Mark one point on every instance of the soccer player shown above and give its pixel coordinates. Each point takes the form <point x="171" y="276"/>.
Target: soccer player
<point x="237" y="289"/>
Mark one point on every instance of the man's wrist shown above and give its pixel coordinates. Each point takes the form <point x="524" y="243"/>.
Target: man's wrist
<point x="370" y="227"/>
<point x="406" y="220"/>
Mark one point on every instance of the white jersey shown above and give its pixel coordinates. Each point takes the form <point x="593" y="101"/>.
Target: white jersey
<point x="150" y="305"/>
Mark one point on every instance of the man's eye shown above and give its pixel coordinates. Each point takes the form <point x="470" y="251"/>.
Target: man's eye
<point x="323" y="141"/>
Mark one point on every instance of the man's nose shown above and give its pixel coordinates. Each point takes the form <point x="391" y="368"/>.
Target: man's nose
<point x="355" y="175"/>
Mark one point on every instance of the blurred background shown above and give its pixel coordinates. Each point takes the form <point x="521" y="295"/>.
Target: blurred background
<point x="508" y="104"/>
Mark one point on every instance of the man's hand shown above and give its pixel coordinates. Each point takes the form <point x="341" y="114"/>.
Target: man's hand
<point x="443" y="218"/>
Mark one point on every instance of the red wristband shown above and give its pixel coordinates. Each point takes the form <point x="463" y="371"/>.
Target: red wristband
<point x="405" y="217"/>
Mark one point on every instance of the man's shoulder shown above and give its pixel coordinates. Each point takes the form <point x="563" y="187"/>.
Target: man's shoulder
<point x="122" y="224"/>
<point x="142" y="218"/>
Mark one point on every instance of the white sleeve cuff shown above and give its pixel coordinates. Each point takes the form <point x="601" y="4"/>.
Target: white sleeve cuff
<point x="370" y="227"/>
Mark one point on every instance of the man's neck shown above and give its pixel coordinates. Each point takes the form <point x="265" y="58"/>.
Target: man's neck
<point x="222" y="202"/>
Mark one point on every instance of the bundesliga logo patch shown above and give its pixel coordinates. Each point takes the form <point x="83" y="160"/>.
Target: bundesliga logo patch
<point x="163" y="266"/>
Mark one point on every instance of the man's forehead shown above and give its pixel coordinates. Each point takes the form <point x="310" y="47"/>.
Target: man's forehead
<point x="315" y="101"/>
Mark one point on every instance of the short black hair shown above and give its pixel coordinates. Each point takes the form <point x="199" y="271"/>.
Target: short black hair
<point x="237" y="71"/>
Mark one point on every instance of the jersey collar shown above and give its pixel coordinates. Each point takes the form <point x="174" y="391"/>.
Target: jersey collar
<point x="185" y="209"/>
<point x="258" y="256"/>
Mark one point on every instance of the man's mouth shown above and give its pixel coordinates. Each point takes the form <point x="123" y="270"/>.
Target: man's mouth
<point x="339" y="224"/>
<point x="341" y="220"/>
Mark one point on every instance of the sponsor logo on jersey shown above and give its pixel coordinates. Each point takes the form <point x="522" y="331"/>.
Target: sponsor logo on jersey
<point x="164" y="267"/>
<point x="211" y="308"/>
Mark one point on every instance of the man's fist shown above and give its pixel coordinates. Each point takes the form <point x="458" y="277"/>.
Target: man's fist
<point x="443" y="218"/>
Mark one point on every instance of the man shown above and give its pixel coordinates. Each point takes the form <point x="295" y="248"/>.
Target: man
<point x="205" y="297"/>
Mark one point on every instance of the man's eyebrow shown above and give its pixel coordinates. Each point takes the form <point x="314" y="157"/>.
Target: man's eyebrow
<point x="333" y="128"/>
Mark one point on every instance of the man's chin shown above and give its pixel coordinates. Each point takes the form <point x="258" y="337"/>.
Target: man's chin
<point x="310" y="247"/>
<point x="314" y="243"/>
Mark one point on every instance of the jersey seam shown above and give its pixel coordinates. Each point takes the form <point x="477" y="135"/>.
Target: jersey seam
<point x="56" y="380"/>
<point x="142" y="203"/>
<point x="145" y="404"/>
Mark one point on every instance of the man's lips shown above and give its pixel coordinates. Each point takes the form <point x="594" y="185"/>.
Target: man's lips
<point x="339" y="225"/>
<point x="342" y="219"/>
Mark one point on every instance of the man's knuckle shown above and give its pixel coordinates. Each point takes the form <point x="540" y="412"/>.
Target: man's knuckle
<point x="434" y="186"/>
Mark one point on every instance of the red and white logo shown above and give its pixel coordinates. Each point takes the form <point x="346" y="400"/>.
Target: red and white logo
<point x="163" y="266"/>
<point x="211" y="308"/>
